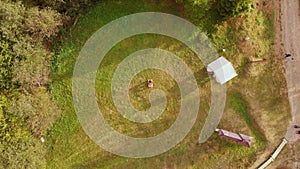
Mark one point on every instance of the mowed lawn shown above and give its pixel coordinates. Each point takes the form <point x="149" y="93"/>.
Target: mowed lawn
<point x="69" y="147"/>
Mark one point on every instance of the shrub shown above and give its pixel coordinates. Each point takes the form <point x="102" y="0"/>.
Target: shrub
<point x="6" y="63"/>
<point x="18" y="148"/>
<point x="230" y="8"/>
<point x="202" y="13"/>
<point x="31" y="68"/>
<point x="68" y="7"/>
<point x="37" y="108"/>
<point x="27" y="153"/>
<point x="42" y="23"/>
<point x="26" y="108"/>
<point x="11" y="20"/>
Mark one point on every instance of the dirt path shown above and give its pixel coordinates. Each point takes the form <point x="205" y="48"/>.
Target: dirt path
<point x="290" y="25"/>
<point x="290" y="20"/>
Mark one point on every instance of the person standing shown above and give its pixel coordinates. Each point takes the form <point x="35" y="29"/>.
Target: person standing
<point x="288" y="57"/>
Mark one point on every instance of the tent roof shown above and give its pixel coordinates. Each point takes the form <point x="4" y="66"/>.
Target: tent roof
<point x="223" y="70"/>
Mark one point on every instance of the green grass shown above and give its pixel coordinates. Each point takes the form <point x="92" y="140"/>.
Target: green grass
<point x="240" y="105"/>
<point x="138" y="90"/>
<point x="69" y="147"/>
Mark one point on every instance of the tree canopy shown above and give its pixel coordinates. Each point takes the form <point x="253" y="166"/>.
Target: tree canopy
<point x="231" y="8"/>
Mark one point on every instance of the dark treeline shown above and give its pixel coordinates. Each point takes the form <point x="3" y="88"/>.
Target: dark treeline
<point x="26" y="107"/>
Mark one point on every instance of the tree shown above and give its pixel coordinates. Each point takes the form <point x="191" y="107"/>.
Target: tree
<point x="6" y="63"/>
<point x="37" y="108"/>
<point x="231" y="8"/>
<point x="11" y="20"/>
<point x="31" y="68"/>
<point x="42" y="23"/>
<point x="26" y="114"/>
<point x="17" y="146"/>
<point x="68" y="7"/>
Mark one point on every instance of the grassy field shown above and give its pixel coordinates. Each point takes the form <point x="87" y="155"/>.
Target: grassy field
<point x="256" y="99"/>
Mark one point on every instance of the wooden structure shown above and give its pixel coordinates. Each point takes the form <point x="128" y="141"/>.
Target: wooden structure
<point x="240" y="139"/>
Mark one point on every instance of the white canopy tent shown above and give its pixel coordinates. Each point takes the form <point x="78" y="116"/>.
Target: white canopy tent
<point x="222" y="70"/>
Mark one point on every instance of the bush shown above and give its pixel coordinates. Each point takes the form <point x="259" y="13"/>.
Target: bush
<point x="37" y="108"/>
<point x="11" y="20"/>
<point x="202" y="13"/>
<point x="26" y="108"/>
<point x="27" y="153"/>
<point x="6" y="63"/>
<point x="12" y="126"/>
<point x="18" y="148"/>
<point x="42" y="23"/>
<point x="68" y="7"/>
<point x="31" y="68"/>
<point x="23" y="58"/>
<point x="231" y="8"/>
